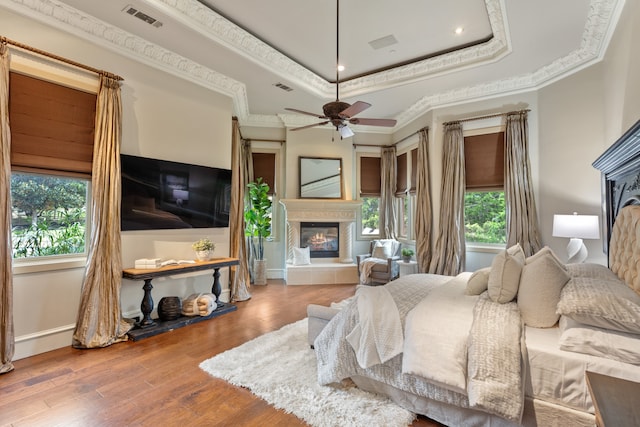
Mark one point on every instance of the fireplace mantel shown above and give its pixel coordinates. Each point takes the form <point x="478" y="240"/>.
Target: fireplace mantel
<point x="330" y="210"/>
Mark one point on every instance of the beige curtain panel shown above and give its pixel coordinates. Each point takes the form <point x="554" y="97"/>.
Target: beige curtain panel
<point x="99" y="321"/>
<point x="238" y="275"/>
<point x="424" y="208"/>
<point x="387" y="193"/>
<point x="7" y="337"/>
<point x="449" y="252"/>
<point x="522" y="215"/>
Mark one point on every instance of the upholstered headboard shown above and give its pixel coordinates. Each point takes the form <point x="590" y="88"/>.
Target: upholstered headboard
<point x="620" y="168"/>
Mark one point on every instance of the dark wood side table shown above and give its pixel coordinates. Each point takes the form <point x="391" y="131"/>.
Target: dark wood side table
<point x="615" y="400"/>
<point x="146" y="306"/>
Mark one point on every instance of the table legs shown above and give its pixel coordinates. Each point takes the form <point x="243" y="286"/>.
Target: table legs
<point x="216" y="289"/>
<point x="146" y="306"/>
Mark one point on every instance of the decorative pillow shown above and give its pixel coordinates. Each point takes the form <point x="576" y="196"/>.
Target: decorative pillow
<point x="478" y="282"/>
<point x="604" y="303"/>
<point x="543" y="277"/>
<point x="580" y="338"/>
<point x="301" y="256"/>
<point x="587" y="269"/>
<point x="504" y="277"/>
<point x="383" y="249"/>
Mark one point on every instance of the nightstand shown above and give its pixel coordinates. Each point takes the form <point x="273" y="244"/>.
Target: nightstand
<point x="406" y="268"/>
<point x="615" y="400"/>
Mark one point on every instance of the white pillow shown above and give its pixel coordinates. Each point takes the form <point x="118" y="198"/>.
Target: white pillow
<point x="301" y="256"/>
<point x="580" y="338"/>
<point x="478" y="282"/>
<point x="383" y="249"/>
<point x="543" y="277"/>
<point x="504" y="278"/>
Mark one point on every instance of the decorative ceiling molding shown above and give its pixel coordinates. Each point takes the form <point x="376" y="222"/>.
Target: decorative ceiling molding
<point x="593" y="45"/>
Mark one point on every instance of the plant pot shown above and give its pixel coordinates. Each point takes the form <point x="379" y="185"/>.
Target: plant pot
<point x="260" y="272"/>
<point x="406" y="258"/>
<point x="204" y="255"/>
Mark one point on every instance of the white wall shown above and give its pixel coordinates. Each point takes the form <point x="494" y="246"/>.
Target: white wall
<point x="163" y="117"/>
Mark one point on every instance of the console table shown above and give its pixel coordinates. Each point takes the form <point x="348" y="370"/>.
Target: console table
<point x="146" y="306"/>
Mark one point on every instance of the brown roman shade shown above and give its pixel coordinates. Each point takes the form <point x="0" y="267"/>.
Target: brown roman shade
<point x="52" y="126"/>
<point x="370" y="177"/>
<point x="484" y="161"/>
<point x="414" y="170"/>
<point x="264" y="166"/>
<point x="401" y="174"/>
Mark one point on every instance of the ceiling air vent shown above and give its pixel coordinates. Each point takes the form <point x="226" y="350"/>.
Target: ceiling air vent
<point x="142" y="16"/>
<point x="283" y="87"/>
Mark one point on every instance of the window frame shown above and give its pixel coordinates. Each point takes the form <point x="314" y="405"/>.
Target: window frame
<point x="267" y="147"/>
<point x="360" y="235"/>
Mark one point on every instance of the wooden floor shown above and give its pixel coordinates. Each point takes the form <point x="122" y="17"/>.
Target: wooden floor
<point x="157" y="381"/>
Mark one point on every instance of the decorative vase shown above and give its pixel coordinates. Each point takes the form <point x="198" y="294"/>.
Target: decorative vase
<point x="169" y="308"/>
<point x="260" y="272"/>
<point x="204" y="255"/>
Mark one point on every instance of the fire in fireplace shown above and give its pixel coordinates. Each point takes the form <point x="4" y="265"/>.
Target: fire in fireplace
<point x="322" y="238"/>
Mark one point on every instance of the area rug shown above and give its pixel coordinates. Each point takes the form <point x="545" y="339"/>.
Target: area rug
<point x="280" y="368"/>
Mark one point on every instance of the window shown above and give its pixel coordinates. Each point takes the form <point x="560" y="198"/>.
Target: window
<point x="264" y="166"/>
<point x="406" y="193"/>
<point x="52" y="129"/>
<point x="484" y="204"/>
<point x="370" y="187"/>
<point x="48" y="215"/>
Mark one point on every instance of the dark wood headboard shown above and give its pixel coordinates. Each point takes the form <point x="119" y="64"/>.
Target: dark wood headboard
<point x="620" y="168"/>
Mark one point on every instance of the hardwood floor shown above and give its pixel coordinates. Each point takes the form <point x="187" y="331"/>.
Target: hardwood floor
<point x="157" y="381"/>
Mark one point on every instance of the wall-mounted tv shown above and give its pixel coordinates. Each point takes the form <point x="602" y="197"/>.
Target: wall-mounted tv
<point x="161" y="194"/>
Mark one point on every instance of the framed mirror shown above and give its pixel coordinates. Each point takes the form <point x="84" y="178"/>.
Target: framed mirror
<point x="320" y="178"/>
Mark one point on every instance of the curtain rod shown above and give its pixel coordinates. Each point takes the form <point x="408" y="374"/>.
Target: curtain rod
<point x="395" y="143"/>
<point x="281" y="141"/>
<point x="488" y="116"/>
<point x="5" y="40"/>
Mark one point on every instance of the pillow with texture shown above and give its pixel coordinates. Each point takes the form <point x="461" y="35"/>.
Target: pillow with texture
<point x="478" y="282"/>
<point x="587" y="269"/>
<point x="594" y="341"/>
<point x="543" y="277"/>
<point x="383" y="249"/>
<point x="301" y="256"/>
<point x="604" y="303"/>
<point x="504" y="278"/>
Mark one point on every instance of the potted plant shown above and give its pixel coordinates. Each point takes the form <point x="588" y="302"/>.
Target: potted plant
<point x="204" y="249"/>
<point x="257" y="216"/>
<point x="407" y="253"/>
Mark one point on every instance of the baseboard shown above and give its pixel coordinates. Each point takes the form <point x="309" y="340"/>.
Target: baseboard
<point x="51" y="339"/>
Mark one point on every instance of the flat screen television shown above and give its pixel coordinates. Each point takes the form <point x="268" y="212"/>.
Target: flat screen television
<point x="161" y="194"/>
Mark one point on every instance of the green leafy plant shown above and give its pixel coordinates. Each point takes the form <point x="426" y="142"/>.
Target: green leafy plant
<point x="257" y="216"/>
<point x="203" y="245"/>
<point x="407" y="252"/>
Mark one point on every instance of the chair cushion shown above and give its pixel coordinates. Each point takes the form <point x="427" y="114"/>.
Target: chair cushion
<point x="383" y="249"/>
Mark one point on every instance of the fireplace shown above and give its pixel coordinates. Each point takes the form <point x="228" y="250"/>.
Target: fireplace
<point x="322" y="238"/>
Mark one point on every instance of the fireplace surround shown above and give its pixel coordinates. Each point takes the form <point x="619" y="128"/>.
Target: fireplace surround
<point x="336" y="268"/>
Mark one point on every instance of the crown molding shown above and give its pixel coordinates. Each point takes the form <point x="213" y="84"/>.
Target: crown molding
<point x="596" y="35"/>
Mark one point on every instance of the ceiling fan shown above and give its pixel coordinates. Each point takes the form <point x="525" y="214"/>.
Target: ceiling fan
<point x="339" y="113"/>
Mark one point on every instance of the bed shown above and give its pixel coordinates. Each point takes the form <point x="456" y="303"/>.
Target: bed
<point x="502" y="346"/>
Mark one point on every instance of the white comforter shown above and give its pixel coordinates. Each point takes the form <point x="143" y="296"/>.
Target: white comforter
<point x="490" y="384"/>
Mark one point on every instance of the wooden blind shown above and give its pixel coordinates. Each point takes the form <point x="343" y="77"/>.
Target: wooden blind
<point x="52" y="126"/>
<point x="414" y="170"/>
<point x="264" y="166"/>
<point x="370" y="178"/>
<point x="401" y="174"/>
<point x="484" y="161"/>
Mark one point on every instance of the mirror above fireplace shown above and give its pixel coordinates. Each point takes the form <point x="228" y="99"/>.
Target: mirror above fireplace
<point x="320" y="178"/>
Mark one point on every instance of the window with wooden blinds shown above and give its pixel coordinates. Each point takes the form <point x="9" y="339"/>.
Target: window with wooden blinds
<point x="484" y="161"/>
<point x="414" y="170"/>
<point x="401" y="174"/>
<point x="370" y="178"/>
<point x="52" y="126"/>
<point x="264" y="166"/>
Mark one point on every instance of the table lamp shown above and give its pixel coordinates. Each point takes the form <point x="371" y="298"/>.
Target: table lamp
<point x="576" y="227"/>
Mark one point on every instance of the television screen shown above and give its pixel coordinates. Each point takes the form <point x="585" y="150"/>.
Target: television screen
<point x="160" y="194"/>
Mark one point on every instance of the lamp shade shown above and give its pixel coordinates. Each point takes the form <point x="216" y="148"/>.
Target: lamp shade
<point x="578" y="226"/>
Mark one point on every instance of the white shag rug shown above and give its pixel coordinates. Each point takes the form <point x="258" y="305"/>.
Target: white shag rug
<point x="280" y="368"/>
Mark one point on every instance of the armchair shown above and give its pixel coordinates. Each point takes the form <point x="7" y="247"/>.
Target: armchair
<point x="380" y="265"/>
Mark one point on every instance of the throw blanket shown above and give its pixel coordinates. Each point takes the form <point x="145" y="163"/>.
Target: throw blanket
<point x="488" y="375"/>
<point x="366" y="266"/>
<point x="377" y="337"/>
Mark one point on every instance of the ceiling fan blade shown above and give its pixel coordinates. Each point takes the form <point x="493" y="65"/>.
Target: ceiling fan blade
<point x="310" y="126"/>
<point x="306" y="112"/>
<point x="355" y="108"/>
<point x="373" y="122"/>
<point x="345" y="132"/>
